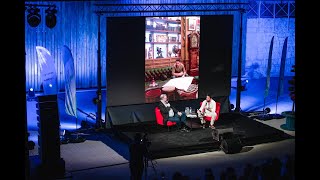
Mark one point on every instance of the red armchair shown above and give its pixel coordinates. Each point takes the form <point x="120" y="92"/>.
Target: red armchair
<point x="159" y="119"/>
<point x="218" y="106"/>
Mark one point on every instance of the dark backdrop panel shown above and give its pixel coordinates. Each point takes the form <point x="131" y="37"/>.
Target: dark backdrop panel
<point x="215" y="55"/>
<point x="125" y="60"/>
<point x="119" y="115"/>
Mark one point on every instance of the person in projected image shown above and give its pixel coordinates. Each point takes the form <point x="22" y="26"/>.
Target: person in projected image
<point x="207" y="108"/>
<point x="178" y="69"/>
<point x="170" y="113"/>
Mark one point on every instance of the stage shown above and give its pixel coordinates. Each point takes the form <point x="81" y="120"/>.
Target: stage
<point x="164" y="143"/>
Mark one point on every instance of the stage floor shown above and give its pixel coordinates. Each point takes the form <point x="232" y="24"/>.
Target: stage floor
<point x="172" y="143"/>
<point x="166" y="144"/>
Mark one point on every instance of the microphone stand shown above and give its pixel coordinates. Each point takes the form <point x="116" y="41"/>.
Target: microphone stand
<point x="78" y="138"/>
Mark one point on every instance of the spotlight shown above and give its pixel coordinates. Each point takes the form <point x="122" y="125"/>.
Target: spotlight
<point x="231" y="106"/>
<point x="243" y="88"/>
<point x="31" y="94"/>
<point x="34" y="17"/>
<point x="51" y="19"/>
<point x="267" y="110"/>
<point x="95" y="100"/>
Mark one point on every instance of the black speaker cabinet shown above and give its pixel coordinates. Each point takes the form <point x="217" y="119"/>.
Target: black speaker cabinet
<point x="231" y="145"/>
<point x="49" y="135"/>
<point x="219" y="134"/>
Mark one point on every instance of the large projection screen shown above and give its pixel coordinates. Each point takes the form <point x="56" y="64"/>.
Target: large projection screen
<point x="127" y="55"/>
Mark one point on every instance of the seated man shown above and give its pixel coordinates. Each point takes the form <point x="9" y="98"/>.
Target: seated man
<point x="172" y="114"/>
<point x="207" y="108"/>
<point x="178" y="69"/>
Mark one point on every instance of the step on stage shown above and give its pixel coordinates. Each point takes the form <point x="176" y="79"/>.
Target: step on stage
<point x="165" y="144"/>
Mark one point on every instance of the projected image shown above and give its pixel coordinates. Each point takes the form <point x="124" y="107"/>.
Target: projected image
<point x="172" y="57"/>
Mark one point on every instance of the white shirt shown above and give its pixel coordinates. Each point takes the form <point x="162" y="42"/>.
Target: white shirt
<point x="171" y="113"/>
<point x="208" y="108"/>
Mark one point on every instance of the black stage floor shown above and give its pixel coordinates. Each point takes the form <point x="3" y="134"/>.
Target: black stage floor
<point x="175" y="143"/>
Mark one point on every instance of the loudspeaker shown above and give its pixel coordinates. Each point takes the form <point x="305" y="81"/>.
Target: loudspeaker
<point x="231" y="145"/>
<point x="219" y="134"/>
<point x="49" y="135"/>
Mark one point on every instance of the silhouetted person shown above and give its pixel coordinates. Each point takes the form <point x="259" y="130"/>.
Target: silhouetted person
<point x="246" y="172"/>
<point x="177" y="176"/>
<point x="255" y="173"/>
<point x="289" y="170"/>
<point x="137" y="152"/>
<point x="231" y="174"/>
<point x="208" y="174"/>
<point x="276" y="168"/>
<point x="266" y="171"/>
<point x="223" y="175"/>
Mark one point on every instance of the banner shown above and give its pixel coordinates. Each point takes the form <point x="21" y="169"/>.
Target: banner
<point x="70" y="82"/>
<point x="47" y="71"/>
<point x="282" y="65"/>
<point x="266" y="92"/>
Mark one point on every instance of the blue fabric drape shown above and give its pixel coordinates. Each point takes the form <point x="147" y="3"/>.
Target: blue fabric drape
<point x="70" y="82"/>
<point x="282" y="66"/>
<point x="266" y="92"/>
<point x="47" y="71"/>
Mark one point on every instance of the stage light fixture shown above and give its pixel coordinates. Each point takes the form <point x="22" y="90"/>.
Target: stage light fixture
<point x="51" y="18"/>
<point x="33" y="17"/>
<point x="30" y="145"/>
<point x="95" y="100"/>
<point x="31" y="94"/>
<point x="231" y="107"/>
<point x="267" y="110"/>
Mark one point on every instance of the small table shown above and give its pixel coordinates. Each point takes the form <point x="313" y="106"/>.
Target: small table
<point x="192" y="116"/>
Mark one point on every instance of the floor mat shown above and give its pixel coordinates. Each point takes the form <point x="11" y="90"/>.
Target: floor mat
<point x="89" y="154"/>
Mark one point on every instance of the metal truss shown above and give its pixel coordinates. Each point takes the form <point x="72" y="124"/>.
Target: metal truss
<point x="167" y="9"/>
<point x="271" y="9"/>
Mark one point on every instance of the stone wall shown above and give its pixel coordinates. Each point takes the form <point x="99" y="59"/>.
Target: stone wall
<point x="259" y="34"/>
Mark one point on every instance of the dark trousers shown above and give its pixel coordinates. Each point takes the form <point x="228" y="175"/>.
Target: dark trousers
<point x="180" y="120"/>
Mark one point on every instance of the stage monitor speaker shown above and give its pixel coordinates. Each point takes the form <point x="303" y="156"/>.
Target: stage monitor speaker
<point x="231" y="145"/>
<point x="219" y="134"/>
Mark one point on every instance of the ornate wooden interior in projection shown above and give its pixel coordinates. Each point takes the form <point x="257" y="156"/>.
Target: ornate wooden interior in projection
<point x="167" y="40"/>
<point x="193" y="43"/>
<point x="163" y="41"/>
